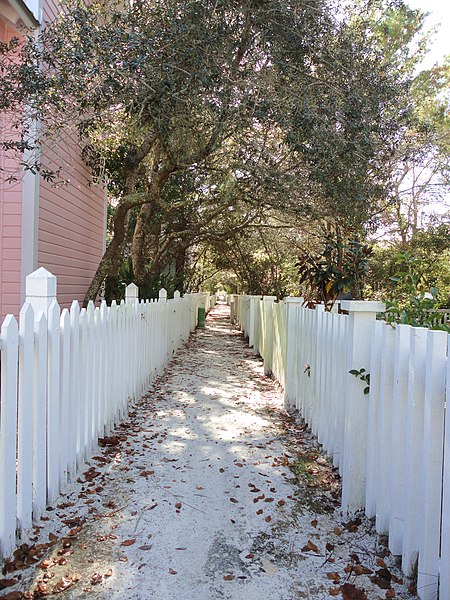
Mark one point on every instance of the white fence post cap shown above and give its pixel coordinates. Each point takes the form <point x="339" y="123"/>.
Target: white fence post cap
<point x="292" y="299"/>
<point x="131" y="292"/>
<point x="162" y="295"/>
<point x="176" y="294"/>
<point x="41" y="283"/>
<point x="269" y="297"/>
<point x="363" y="306"/>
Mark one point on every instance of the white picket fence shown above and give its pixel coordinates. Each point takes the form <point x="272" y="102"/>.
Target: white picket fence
<point x="67" y="378"/>
<point x="390" y="445"/>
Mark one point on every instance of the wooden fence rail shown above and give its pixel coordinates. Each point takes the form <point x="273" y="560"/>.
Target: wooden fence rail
<point x="67" y="378"/>
<point x="383" y="427"/>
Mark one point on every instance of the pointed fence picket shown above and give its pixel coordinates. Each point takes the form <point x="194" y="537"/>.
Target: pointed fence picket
<point x="392" y="444"/>
<point x="67" y="378"/>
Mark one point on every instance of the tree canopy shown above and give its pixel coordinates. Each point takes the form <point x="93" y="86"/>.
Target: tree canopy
<point x="204" y="116"/>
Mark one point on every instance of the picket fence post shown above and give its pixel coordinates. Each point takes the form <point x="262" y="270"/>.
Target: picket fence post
<point x="40" y="289"/>
<point x="444" y="582"/>
<point x="132" y="294"/>
<point x="362" y="315"/>
<point x="291" y="373"/>
<point x="25" y="419"/>
<point x="267" y="339"/>
<point x="433" y="431"/>
<point x="8" y="416"/>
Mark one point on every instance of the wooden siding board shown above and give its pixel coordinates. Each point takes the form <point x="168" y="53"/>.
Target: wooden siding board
<point x="71" y="217"/>
<point x="10" y="218"/>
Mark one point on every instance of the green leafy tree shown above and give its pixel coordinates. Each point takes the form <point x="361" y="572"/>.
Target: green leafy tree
<point x="412" y="302"/>
<point x="337" y="266"/>
<point x="159" y="89"/>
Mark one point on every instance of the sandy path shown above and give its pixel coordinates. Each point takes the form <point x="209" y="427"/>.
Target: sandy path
<point x="195" y="498"/>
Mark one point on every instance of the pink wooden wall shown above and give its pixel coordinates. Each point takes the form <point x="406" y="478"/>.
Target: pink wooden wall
<point x="71" y="221"/>
<point x="10" y="219"/>
<point x="71" y="230"/>
<point x="71" y="216"/>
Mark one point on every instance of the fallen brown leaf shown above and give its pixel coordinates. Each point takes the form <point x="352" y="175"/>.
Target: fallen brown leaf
<point x="128" y="542"/>
<point x="5" y="583"/>
<point x="351" y="592"/>
<point x="310" y="547"/>
<point x="334" y="591"/>
<point x="62" y="584"/>
<point x="96" y="578"/>
<point x="12" y="596"/>
<point x="360" y="570"/>
<point x="228" y="577"/>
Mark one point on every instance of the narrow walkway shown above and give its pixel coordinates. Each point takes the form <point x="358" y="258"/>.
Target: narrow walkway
<point x="208" y="491"/>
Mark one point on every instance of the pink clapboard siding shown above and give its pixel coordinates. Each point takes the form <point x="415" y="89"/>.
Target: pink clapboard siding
<point x="71" y="228"/>
<point x="72" y="214"/>
<point x="10" y="218"/>
<point x="70" y="220"/>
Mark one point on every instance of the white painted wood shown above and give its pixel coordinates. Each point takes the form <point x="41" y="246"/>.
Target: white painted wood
<point x="361" y="320"/>
<point x="429" y="543"/>
<point x="103" y="398"/>
<point x="384" y="429"/>
<point x="316" y="347"/>
<point x="75" y="389"/>
<point x="25" y="419"/>
<point x="444" y="587"/>
<point x="8" y="417"/>
<point x="341" y="357"/>
<point x="398" y="488"/>
<point x="132" y="293"/>
<point x="65" y="425"/>
<point x="53" y="401"/>
<point x="82" y="440"/>
<point x="373" y="419"/>
<point x="40" y="290"/>
<point x="266" y="350"/>
<point x="413" y="505"/>
<point x="98" y="357"/>
<point x="40" y="416"/>
<point x="89" y="377"/>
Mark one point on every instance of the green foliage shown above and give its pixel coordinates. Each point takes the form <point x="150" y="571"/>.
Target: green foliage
<point x="365" y="378"/>
<point x="411" y="303"/>
<point x="208" y="116"/>
<point x="425" y="261"/>
<point x="336" y="267"/>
